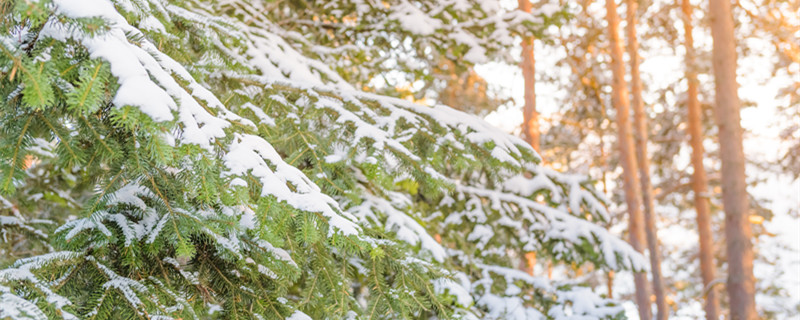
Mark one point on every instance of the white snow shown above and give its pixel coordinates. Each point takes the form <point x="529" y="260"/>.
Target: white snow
<point x="404" y="227"/>
<point x="297" y="315"/>
<point x="414" y="20"/>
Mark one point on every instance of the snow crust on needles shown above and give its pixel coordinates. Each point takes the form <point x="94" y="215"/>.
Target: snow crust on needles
<point x="560" y="223"/>
<point x="381" y="130"/>
<point x="280" y="63"/>
<point x="147" y="81"/>
<point x="136" y="88"/>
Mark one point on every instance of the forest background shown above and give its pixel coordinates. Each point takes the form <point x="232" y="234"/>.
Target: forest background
<point x="576" y="134"/>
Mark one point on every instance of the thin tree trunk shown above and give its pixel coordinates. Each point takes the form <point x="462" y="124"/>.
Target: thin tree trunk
<point x="603" y="165"/>
<point x="610" y="283"/>
<point x="741" y="283"/>
<point x="633" y="196"/>
<point x="530" y="122"/>
<point x="699" y="179"/>
<point x="643" y="161"/>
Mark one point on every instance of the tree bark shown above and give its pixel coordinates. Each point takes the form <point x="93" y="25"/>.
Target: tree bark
<point x="699" y="178"/>
<point x="741" y="283"/>
<point x="530" y="122"/>
<point x="610" y="283"/>
<point x="633" y="196"/>
<point x="643" y="162"/>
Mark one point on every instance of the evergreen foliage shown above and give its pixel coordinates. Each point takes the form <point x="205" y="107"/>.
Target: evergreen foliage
<point x="196" y="160"/>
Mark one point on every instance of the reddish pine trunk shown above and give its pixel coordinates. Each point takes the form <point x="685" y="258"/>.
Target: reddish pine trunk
<point x="633" y="196"/>
<point x="741" y="283"/>
<point x="699" y="179"/>
<point x="530" y="122"/>
<point x="610" y="284"/>
<point x="640" y="128"/>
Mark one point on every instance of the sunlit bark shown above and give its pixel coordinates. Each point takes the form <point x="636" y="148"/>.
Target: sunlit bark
<point x="699" y="178"/>
<point x="633" y="196"/>
<point x="741" y="283"/>
<point x="530" y="122"/>
<point x="643" y="163"/>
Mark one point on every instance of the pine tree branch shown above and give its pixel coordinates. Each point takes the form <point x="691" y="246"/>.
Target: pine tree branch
<point x="15" y="155"/>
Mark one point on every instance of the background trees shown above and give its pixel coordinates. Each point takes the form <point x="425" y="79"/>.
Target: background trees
<point x="577" y="137"/>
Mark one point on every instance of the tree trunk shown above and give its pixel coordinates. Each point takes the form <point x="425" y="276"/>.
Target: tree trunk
<point x="530" y="122"/>
<point x="610" y="283"/>
<point x="699" y="179"/>
<point x="633" y="197"/>
<point x="741" y="283"/>
<point x="643" y="161"/>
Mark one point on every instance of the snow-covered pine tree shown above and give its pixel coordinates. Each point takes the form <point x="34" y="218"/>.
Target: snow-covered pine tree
<point x="200" y="162"/>
<point x="382" y="44"/>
